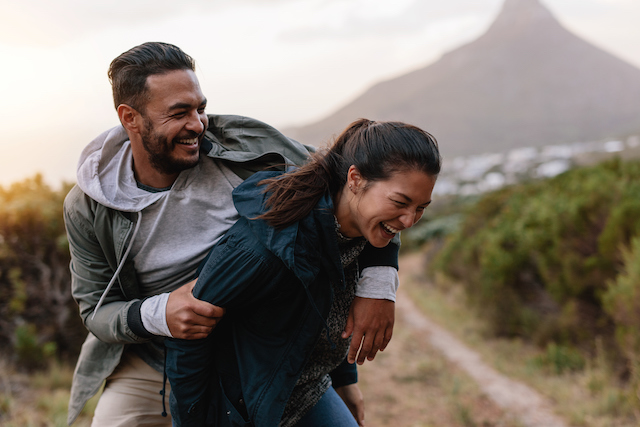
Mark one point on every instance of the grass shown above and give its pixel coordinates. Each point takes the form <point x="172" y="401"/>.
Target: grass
<point x="412" y="385"/>
<point x="585" y="390"/>
<point x="40" y="399"/>
<point x="409" y="384"/>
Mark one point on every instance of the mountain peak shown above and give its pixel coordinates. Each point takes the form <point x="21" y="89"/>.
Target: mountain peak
<point x="526" y="82"/>
<point x="521" y="15"/>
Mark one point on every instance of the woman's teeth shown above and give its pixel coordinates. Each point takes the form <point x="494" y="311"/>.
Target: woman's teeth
<point x="389" y="229"/>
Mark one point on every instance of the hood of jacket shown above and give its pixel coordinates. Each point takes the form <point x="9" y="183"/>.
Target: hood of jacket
<point x="105" y="173"/>
<point x="300" y="245"/>
<point x="105" y="168"/>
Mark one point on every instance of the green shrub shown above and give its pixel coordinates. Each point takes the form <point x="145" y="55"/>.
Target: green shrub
<point x="30" y="352"/>
<point x="37" y="311"/>
<point x="559" y="359"/>
<point x="622" y="302"/>
<point x="536" y="259"/>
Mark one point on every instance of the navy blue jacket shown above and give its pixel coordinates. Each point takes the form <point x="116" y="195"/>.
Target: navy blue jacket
<point x="276" y="287"/>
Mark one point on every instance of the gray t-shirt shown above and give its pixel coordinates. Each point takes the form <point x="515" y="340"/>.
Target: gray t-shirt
<point x="178" y="230"/>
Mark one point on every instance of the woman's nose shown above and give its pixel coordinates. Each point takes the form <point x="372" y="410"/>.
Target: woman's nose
<point x="408" y="219"/>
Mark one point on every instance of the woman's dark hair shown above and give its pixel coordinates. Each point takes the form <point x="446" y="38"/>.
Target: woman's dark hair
<point x="129" y="71"/>
<point x="376" y="149"/>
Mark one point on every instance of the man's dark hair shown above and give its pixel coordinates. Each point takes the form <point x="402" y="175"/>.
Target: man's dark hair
<point x="129" y="71"/>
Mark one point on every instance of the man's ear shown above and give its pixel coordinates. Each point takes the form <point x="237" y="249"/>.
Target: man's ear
<point x="130" y="118"/>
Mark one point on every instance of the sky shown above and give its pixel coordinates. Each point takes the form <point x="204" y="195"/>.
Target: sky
<point x="285" y="62"/>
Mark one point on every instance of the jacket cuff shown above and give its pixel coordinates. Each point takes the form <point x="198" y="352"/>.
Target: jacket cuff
<point x="379" y="257"/>
<point x="345" y="374"/>
<point x="134" y="320"/>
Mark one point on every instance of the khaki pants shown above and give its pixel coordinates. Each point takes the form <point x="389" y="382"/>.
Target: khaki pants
<point x="131" y="396"/>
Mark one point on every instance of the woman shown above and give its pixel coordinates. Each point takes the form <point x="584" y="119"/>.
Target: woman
<point x="286" y="273"/>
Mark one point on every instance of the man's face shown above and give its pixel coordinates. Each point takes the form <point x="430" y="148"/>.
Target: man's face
<point x="174" y="122"/>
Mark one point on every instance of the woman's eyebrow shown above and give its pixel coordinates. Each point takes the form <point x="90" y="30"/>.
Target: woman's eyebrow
<point x="409" y="199"/>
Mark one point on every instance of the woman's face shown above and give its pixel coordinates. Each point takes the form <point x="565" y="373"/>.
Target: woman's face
<point x="380" y="209"/>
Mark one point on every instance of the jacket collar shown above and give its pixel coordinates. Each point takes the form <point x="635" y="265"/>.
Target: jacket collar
<point x="306" y="246"/>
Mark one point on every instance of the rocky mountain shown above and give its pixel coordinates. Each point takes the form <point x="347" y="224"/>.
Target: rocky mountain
<point x="527" y="81"/>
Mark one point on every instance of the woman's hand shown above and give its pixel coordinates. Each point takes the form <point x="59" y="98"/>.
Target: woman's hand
<point x="371" y="322"/>
<point x="352" y="397"/>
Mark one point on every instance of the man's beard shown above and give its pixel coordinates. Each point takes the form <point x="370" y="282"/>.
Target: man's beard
<point x="159" y="151"/>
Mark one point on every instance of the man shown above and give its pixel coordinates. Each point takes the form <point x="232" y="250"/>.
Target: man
<point x="153" y="196"/>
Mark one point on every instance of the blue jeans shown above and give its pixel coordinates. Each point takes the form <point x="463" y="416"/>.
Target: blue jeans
<point x="330" y="411"/>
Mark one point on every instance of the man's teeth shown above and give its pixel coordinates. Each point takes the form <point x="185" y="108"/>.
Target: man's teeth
<point x="192" y="141"/>
<point x="389" y="229"/>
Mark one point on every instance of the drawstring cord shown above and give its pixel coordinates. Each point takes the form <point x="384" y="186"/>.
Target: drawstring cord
<point x="164" y="384"/>
<point x="115" y="275"/>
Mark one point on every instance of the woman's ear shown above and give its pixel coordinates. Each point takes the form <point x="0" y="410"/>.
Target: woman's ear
<point x="354" y="179"/>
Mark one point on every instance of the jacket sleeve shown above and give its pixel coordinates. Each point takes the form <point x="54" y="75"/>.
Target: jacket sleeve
<point x="345" y="374"/>
<point x="379" y="272"/>
<point x="232" y="277"/>
<point x="244" y="134"/>
<point x="189" y="365"/>
<point x="377" y="257"/>
<point x="91" y="270"/>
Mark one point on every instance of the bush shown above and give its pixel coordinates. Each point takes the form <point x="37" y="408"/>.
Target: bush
<point x="30" y="352"/>
<point x="38" y="316"/>
<point x="537" y="259"/>
<point x="430" y="230"/>
<point x="560" y="359"/>
<point x="622" y="302"/>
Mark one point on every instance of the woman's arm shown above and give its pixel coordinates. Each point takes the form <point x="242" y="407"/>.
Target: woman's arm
<point x="189" y="366"/>
<point x="344" y="380"/>
<point x="232" y="277"/>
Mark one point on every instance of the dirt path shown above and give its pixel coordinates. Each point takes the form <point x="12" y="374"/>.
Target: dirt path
<point x="515" y="398"/>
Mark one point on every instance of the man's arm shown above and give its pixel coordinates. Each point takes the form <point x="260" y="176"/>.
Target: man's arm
<point x="372" y="313"/>
<point x="371" y="323"/>
<point x="188" y="317"/>
<point x="91" y="271"/>
<point x="119" y="319"/>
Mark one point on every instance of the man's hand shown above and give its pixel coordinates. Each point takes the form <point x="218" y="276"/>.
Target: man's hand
<point x="352" y="397"/>
<point x="188" y="317"/>
<point x="371" y="322"/>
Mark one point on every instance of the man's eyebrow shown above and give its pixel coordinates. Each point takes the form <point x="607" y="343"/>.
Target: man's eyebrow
<point x="185" y="105"/>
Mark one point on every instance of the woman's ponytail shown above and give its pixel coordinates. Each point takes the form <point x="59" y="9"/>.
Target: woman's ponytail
<point x="376" y="149"/>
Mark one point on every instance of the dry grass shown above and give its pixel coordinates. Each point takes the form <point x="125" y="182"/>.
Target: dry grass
<point x="39" y="400"/>
<point x="411" y="385"/>
<point x="592" y="397"/>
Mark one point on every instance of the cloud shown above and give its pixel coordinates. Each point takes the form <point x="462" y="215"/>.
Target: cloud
<point x="44" y="23"/>
<point x="382" y="19"/>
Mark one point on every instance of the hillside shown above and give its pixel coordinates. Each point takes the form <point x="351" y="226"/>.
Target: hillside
<point x="526" y="82"/>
